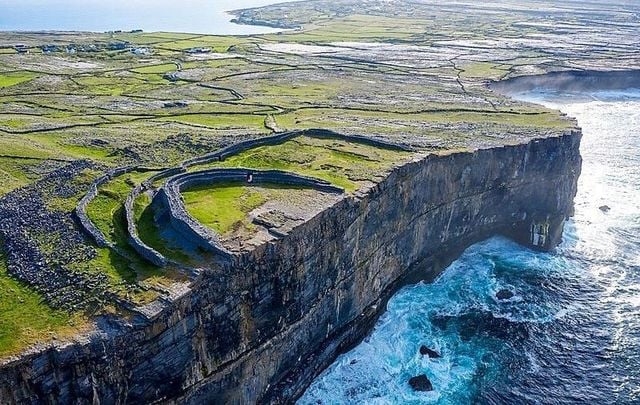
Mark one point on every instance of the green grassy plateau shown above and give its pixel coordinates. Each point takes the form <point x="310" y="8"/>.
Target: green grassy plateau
<point x="402" y="72"/>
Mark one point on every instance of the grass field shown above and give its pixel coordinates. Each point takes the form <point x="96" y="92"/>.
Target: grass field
<point x="26" y="320"/>
<point x="221" y="121"/>
<point x="150" y="234"/>
<point x="11" y="79"/>
<point x="404" y="77"/>
<point x="223" y="207"/>
<point x="343" y="164"/>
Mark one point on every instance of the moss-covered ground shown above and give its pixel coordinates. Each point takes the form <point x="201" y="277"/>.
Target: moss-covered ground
<point x="25" y="319"/>
<point x="223" y="207"/>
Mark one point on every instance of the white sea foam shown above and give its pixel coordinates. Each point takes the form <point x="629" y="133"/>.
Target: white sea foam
<point x="573" y="313"/>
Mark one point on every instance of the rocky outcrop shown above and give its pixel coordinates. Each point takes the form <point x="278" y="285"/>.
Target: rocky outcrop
<point x="421" y="383"/>
<point x="261" y="328"/>
<point x="571" y="81"/>
<point x="432" y="354"/>
<point x="504" y="294"/>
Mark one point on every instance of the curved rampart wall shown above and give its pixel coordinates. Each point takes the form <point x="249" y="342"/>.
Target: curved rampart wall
<point x="81" y="208"/>
<point x="183" y="222"/>
<point x="199" y="234"/>
<point x="144" y="250"/>
<point x="169" y="198"/>
<point x="378" y="143"/>
<point x="283" y="137"/>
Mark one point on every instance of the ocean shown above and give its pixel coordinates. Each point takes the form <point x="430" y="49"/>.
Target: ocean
<point x="191" y="16"/>
<point x="571" y="331"/>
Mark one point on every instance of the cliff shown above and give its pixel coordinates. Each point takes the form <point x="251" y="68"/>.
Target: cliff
<point x="260" y="328"/>
<point x="571" y="81"/>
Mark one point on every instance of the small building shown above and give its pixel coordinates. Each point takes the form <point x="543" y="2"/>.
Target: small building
<point x="21" y="48"/>
<point x="118" y="45"/>
<point x="141" y="51"/>
<point x="171" y="76"/>
<point x="175" y="104"/>
<point x="197" y="50"/>
<point x="75" y="48"/>
<point x="50" y="48"/>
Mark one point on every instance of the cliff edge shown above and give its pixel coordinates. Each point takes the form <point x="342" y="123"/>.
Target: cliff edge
<point x="261" y="329"/>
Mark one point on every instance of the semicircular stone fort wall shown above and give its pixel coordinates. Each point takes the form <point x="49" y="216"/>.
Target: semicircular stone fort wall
<point x="168" y="200"/>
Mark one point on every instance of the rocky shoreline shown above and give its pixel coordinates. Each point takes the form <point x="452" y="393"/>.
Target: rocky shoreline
<point x="571" y="81"/>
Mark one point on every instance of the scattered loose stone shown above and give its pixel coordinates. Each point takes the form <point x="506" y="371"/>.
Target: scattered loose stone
<point x="421" y="383"/>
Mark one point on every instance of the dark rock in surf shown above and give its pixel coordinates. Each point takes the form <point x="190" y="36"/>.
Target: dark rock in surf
<point x="482" y="323"/>
<point x="425" y="351"/>
<point x="504" y="294"/>
<point x="421" y="383"/>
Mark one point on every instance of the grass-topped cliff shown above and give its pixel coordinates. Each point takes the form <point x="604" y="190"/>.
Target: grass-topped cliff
<point x="75" y="105"/>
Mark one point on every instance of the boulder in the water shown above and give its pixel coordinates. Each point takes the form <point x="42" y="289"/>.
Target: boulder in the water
<point x="604" y="208"/>
<point x="504" y="294"/>
<point x="425" y="351"/>
<point x="420" y="383"/>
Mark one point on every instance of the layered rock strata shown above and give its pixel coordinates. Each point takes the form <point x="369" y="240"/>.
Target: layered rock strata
<point x="261" y="328"/>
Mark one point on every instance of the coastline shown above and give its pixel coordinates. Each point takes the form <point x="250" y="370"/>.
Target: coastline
<point x="261" y="327"/>
<point x="118" y="18"/>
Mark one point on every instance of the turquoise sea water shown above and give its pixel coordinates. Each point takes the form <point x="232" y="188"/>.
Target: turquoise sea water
<point x="570" y="334"/>
<point x="193" y="16"/>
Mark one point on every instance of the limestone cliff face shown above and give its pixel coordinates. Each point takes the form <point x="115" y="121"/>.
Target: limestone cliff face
<point x="259" y="329"/>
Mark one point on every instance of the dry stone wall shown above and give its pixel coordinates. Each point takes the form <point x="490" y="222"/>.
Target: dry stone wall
<point x="180" y="220"/>
<point x="81" y="209"/>
<point x="169" y="198"/>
